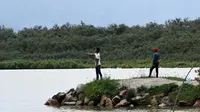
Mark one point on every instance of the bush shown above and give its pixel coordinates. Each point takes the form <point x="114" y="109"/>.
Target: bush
<point x="165" y="88"/>
<point x="131" y="94"/>
<point x="188" y="93"/>
<point x="142" y="89"/>
<point x="99" y="88"/>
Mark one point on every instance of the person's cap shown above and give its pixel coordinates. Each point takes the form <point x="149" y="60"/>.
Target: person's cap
<point x="155" y="49"/>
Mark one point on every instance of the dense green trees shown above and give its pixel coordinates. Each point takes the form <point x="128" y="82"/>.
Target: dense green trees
<point x="177" y="39"/>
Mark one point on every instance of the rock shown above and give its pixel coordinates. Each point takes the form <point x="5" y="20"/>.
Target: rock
<point x="148" y="105"/>
<point x="69" y="103"/>
<point x="131" y="106"/>
<point x="154" y="101"/>
<point x="86" y="100"/>
<point x="52" y="102"/>
<point x="69" y="98"/>
<point x="81" y="96"/>
<point x="91" y="103"/>
<point x="123" y="92"/>
<point x="61" y="96"/>
<point x="166" y="100"/>
<point x="197" y="104"/>
<point x="116" y="100"/>
<point x="185" y="103"/>
<point x="122" y="103"/>
<point x="71" y="91"/>
<point x="160" y="95"/>
<point x="137" y="98"/>
<point x="162" y="105"/>
<point x="79" y="103"/>
<point x="109" y="103"/>
<point x="79" y="88"/>
<point x="103" y="101"/>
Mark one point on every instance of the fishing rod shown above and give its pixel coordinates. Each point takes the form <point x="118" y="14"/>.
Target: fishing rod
<point x="181" y="89"/>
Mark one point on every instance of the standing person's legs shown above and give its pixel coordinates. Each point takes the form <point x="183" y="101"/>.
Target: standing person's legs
<point x="157" y="65"/>
<point x="97" y="75"/>
<point x="151" y="69"/>
<point x="99" y="71"/>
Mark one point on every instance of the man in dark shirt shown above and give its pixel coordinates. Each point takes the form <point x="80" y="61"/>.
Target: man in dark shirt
<point x="156" y="59"/>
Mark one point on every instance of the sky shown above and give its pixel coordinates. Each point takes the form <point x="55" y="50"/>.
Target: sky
<point x="28" y="13"/>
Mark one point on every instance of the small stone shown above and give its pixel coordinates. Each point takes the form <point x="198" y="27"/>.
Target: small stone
<point x="79" y="103"/>
<point x="148" y="105"/>
<point x="131" y="106"/>
<point x="91" y="103"/>
<point x="162" y="105"/>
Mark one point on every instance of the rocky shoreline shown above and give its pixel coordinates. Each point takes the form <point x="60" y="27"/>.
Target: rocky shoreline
<point x="153" y="92"/>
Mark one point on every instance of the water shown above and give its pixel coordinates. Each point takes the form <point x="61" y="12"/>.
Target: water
<point x="27" y="90"/>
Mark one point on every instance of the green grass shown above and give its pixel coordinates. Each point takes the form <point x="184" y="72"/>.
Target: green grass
<point x="82" y="63"/>
<point x="99" y="88"/>
<point x="165" y="88"/>
<point x="188" y="93"/>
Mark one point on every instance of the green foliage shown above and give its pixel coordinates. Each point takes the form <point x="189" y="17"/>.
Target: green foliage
<point x="99" y="88"/>
<point x="165" y="88"/>
<point x="177" y="39"/>
<point x="188" y="93"/>
<point x="142" y="89"/>
<point x="121" y="45"/>
<point x="130" y="94"/>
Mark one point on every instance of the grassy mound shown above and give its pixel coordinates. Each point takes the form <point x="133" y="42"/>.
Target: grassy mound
<point x="99" y="88"/>
<point x="188" y="93"/>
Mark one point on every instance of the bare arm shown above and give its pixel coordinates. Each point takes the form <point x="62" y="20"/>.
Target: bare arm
<point x="91" y="54"/>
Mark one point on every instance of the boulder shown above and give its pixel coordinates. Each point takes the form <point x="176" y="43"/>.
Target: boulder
<point x="109" y="103"/>
<point x="68" y="103"/>
<point x="160" y="95"/>
<point x="197" y="104"/>
<point x="91" y="103"/>
<point x="71" y="91"/>
<point x="116" y="100"/>
<point x="166" y="100"/>
<point x="60" y="96"/>
<point x="79" y="88"/>
<point x="185" y="103"/>
<point x="86" y="100"/>
<point x="103" y="101"/>
<point x="123" y="92"/>
<point x="122" y="103"/>
<point x="81" y="96"/>
<point x="154" y="101"/>
<point x="69" y="98"/>
<point x="79" y="103"/>
<point x="52" y="102"/>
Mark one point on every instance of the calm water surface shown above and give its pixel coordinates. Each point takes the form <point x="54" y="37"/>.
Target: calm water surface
<point x="27" y="90"/>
